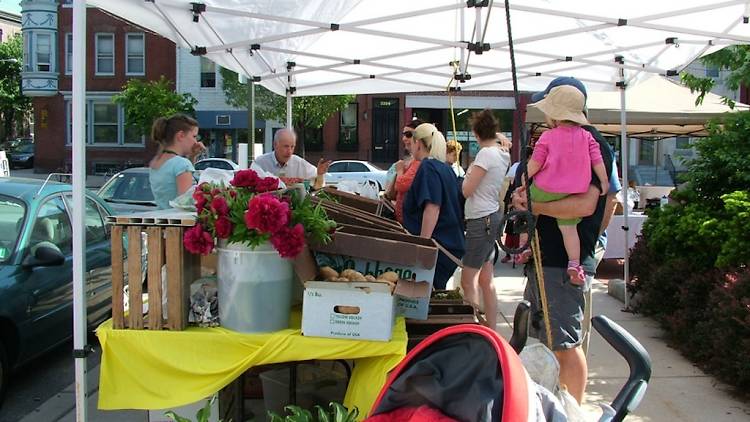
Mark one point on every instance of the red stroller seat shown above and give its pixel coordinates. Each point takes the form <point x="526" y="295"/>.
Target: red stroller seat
<point x="467" y="372"/>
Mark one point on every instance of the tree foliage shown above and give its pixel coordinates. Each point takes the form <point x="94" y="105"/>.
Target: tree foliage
<point x="12" y="102"/>
<point x="145" y="101"/>
<point x="735" y="59"/>
<point x="307" y="112"/>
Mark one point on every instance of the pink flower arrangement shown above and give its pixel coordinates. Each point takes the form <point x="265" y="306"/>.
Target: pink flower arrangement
<point x="252" y="210"/>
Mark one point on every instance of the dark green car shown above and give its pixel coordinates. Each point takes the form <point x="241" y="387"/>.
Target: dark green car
<point x="36" y="268"/>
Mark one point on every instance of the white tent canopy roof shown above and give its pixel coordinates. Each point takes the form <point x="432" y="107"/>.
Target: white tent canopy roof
<point x="375" y="46"/>
<point x="656" y="107"/>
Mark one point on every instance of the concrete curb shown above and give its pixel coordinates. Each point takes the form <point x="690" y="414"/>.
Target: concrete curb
<point x="64" y="402"/>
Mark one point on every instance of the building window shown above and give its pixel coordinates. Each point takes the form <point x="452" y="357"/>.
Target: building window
<point x="208" y="73"/>
<point x="43" y="53"/>
<point x="712" y="72"/>
<point x="105" y="123"/>
<point x="108" y="128"/>
<point x="105" y="54"/>
<point x="348" y="128"/>
<point x="682" y="142"/>
<point x="135" y="54"/>
<point x="68" y="53"/>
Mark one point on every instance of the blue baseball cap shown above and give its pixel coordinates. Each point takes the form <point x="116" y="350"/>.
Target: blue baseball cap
<point x="560" y="80"/>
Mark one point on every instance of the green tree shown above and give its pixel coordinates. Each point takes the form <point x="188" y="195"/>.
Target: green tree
<point x="308" y="113"/>
<point x="13" y="104"/>
<point x="735" y="59"/>
<point x="145" y="101"/>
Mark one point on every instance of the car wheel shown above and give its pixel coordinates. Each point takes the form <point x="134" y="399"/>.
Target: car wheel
<point x="31" y="163"/>
<point x="4" y="372"/>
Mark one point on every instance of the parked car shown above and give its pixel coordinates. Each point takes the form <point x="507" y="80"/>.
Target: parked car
<point x="129" y="191"/>
<point x="359" y="171"/>
<point x="15" y="143"/>
<point x="36" y="268"/>
<point x="22" y="156"/>
<point x="217" y="163"/>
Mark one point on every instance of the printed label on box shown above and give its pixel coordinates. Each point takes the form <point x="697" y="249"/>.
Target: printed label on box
<point x="416" y="308"/>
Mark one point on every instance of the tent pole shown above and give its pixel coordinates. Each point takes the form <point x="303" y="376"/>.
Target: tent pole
<point x="288" y="109"/>
<point x="80" y="348"/>
<point x="624" y="153"/>
<point x="251" y="138"/>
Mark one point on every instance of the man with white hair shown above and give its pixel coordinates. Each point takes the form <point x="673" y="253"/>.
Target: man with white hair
<point x="290" y="168"/>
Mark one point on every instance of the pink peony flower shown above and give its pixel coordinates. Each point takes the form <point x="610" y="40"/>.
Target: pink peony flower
<point x="266" y="214"/>
<point x="219" y="206"/>
<point x="267" y="184"/>
<point x="289" y="241"/>
<point x="245" y="178"/>
<point x="200" y="200"/>
<point x="223" y="227"/>
<point x="197" y="240"/>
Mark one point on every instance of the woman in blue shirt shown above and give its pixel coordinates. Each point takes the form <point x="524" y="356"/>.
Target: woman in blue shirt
<point x="431" y="207"/>
<point x="170" y="173"/>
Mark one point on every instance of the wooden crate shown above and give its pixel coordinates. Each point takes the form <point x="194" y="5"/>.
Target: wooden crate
<point x="164" y="233"/>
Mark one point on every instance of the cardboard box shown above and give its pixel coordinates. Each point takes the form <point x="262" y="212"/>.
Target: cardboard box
<point x="374" y="252"/>
<point x="346" y="215"/>
<point x="370" y="309"/>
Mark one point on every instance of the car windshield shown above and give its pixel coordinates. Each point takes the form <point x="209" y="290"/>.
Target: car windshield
<point x="128" y="187"/>
<point x="25" y="148"/>
<point x="12" y="212"/>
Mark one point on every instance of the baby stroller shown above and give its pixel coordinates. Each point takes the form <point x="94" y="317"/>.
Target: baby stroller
<point x="470" y="373"/>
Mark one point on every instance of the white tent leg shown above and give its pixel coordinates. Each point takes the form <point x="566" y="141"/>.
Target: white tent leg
<point x="289" y="109"/>
<point x="624" y="153"/>
<point x="79" y="206"/>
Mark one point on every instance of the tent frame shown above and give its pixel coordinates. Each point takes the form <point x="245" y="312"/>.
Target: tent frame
<point x="567" y="63"/>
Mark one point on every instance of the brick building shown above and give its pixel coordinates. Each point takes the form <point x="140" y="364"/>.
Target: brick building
<point x="115" y="52"/>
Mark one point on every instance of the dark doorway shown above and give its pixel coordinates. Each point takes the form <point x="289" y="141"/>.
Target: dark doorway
<point x="385" y="130"/>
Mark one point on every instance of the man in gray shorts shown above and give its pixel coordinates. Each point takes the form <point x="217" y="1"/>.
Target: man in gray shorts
<point x="566" y="301"/>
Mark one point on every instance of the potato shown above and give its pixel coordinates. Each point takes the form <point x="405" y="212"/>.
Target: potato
<point x="389" y="276"/>
<point x="328" y="273"/>
<point x="371" y="278"/>
<point x="348" y="273"/>
<point x="341" y="279"/>
<point x="357" y="277"/>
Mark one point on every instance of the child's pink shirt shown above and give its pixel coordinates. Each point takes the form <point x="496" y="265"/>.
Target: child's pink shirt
<point x="566" y="155"/>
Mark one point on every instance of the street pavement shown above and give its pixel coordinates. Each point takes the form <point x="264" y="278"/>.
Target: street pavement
<point x="93" y="182"/>
<point x="678" y="390"/>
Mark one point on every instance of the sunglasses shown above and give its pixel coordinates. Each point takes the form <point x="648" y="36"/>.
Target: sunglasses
<point x="408" y="134"/>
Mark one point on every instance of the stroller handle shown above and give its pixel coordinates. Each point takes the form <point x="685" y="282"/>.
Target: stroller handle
<point x="637" y="358"/>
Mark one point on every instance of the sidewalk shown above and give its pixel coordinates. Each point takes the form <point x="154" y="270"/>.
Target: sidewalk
<point x="677" y="391"/>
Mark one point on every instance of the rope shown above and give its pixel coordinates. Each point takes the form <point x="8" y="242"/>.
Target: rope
<point x="533" y="235"/>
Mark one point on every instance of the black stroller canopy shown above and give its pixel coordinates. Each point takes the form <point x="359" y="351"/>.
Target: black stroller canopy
<point x="467" y="372"/>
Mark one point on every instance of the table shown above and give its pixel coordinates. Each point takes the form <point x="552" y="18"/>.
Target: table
<point x="160" y="369"/>
<point x="616" y="235"/>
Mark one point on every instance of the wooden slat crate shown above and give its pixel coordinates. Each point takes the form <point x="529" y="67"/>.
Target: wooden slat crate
<point x="164" y="245"/>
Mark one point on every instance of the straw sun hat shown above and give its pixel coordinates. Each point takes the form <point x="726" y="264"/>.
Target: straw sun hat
<point x="563" y="102"/>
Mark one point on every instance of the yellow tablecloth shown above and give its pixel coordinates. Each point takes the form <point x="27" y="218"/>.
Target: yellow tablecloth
<point x="144" y="369"/>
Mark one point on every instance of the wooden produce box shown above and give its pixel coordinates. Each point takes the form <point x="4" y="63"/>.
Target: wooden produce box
<point x="163" y="232"/>
<point x="381" y="207"/>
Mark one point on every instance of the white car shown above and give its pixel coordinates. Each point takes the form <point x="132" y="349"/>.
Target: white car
<point x="357" y="171"/>
<point x="217" y="163"/>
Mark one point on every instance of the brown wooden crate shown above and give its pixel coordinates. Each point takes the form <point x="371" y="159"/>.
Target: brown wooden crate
<point x="177" y="295"/>
<point x="135" y="288"/>
<point x="155" y="261"/>
<point x="118" y="279"/>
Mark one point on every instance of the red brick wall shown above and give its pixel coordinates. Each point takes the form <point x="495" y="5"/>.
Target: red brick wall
<point x="51" y="152"/>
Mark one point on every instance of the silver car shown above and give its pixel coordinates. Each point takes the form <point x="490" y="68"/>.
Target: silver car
<point x="129" y="191"/>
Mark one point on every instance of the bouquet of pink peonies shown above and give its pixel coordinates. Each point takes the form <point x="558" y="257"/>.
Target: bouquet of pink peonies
<point x="252" y="210"/>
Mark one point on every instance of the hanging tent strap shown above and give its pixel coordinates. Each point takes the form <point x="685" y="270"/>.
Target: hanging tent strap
<point x="533" y="235"/>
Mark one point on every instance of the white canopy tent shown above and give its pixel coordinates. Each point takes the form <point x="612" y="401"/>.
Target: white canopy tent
<point x="657" y="107"/>
<point x="319" y="47"/>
